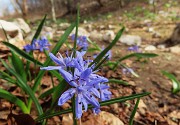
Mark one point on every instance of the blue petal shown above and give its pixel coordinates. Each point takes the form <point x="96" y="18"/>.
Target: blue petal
<point x="91" y="99"/>
<point x="68" y="77"/>
<point x="56" y="60"/>
<point x="96" y="110"/>
<point x="95" y="92"/>
<point x="78" y="107"/>
<point x="85" y="74"/>
<point x="66" y="96"/>
<point x="51" y="68"/>
<point x="85" y="104"/>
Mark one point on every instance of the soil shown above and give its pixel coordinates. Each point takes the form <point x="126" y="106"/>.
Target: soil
<point x="161" y="107"/>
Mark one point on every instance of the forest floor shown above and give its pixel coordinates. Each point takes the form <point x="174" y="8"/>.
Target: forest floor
<point x="161" y="107"/>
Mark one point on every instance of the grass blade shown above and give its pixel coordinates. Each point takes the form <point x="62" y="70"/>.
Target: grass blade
<point x="8" y="96"/>
<point x="133" y="112"/>
<point x="175" y="82"/>
<point x="38" y="31"/>
<point x="18" y="66"/>
<point x="101" y="55"/>
<point x="118" y="81"/>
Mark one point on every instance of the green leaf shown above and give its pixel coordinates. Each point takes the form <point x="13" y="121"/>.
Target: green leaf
<point x="101" y="62"/>
<point x="46" y="93"/>
<point x="18" y="66"/>
<point x="134" y="112"/>
<point x="38" y="31"/>
<point x="24" y="86"/>
<point x="101" y="55"/>
<point x="116" y="100"/>
<point x="8" y="96"/>
<point x="7" y="77"/>
<point x="175" y="82"/>
<point x="21" y="53"/>
<point x="118" y="81"/>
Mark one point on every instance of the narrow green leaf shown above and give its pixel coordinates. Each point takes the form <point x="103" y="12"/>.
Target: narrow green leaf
<point x="101" y="62"/>
<point x="8" y="96"/>
<point x="118" y="81"/>
<point x="133" y="112"/>
<point x="7" y="77"/>
<point x="38" y="31"/>
<point x="101" y="55"/>
<point x="18" y="66"/>
<point x="116" y="100"/>
<point x="21" y="53"/>
<point x="24" y="86"/>
<point x="175" y="82"/>
<point x="46" y="93"/>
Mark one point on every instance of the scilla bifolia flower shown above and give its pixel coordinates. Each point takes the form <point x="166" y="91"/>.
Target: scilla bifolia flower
<point x="85" y="84"/>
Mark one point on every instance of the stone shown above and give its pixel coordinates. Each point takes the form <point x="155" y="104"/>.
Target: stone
<point x="22" y="25"/>
<point x="81" y="32"/>
<point x="108" y="35"/>
<point x="131" y="40"/>
<point x="150" y="48"/>
<point x="96" y="36"/>
<point x="103" y="118"/>
<point x="175" y="49"/>
<point x="64" y="26"/>
<point x="150" y="30"/>
<point x="67" y="119"/>
<point x="13" y="32"/>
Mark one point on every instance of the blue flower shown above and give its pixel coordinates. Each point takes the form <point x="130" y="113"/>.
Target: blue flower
<point x="80" y="88"/>
<point x="134" y="49"/>
<point x="28" y="48"/>
<point x="41" y="44"/>
<point x="81" y="42"/>
<point x="85" y="84"/>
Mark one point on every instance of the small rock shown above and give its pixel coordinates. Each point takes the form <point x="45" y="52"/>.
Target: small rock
<point x="64" y="26"/>
<point x="150" y="48"/>
<point x="150" y="30"/>
<point x="111" y="27"/>
<point x="13" y="33"/>
<point x="103" y="118"/>
<point x="108" y="35"/>
<point x="67" y="119"/>
<point x="65" y="106"/>
<point x="115" y="107"/>
<point x="175" y="49"/>
<point x="130" y="40"/>
<point x="22" y="25"/>
<point x="81" y="32"/>
<point x="95" y="35"/>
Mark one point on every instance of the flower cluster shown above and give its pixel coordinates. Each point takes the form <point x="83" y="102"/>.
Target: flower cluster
<point x="81" y="42"/>
<point x="85" y="84"/>
<point x="39" y="44"/>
